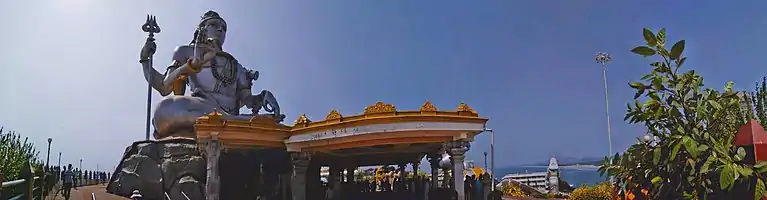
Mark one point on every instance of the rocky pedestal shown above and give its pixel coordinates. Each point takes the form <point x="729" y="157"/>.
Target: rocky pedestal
<point x="169" y="166"/>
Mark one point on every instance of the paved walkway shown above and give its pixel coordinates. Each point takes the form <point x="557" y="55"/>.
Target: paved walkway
<point x="84" y="193"/>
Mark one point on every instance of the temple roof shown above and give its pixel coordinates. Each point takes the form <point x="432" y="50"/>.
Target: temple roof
<point x="379" y="124"/>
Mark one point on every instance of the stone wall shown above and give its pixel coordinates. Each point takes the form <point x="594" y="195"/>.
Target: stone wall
<point x="158" y="167"/>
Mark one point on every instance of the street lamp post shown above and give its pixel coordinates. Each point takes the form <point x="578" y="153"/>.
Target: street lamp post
<point x="48" y="156"/>
<point x="485" y="160"/>
<point x="81" y="164"/>
<point x="603" y="58"/>
<point x="59" y="158"/>
<point x="492" y="159"/>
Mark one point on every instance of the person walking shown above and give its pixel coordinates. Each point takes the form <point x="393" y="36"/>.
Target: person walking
<point x="67" y="178"/>
<point x="75" y="178"/>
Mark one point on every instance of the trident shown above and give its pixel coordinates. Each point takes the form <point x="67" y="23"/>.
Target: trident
<point x="151" y="27"/>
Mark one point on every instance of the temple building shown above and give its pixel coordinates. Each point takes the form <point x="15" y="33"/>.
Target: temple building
<point x="381" y="135"/>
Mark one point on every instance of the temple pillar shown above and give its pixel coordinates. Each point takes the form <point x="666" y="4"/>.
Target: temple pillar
<point x="212" y="154"/>
<point x="335" y="177"/>
<point x="271" y="179"/>
<point x="313" y="183"/>
<point x="338" y="187"/>
<point x="415" y="183"/>
<point x="259" y="178"/>
<point x="457" y="149"/>
<point x="401" y="185"/>
<point x="285" y="186"/>
<point x="350" y="174"/>
<point x="300" y="166"/>
<point x="416" y="165"/>
<point x="350" y="185"/>
<point x="332" y="175"/>
<point x="434" y="163"/>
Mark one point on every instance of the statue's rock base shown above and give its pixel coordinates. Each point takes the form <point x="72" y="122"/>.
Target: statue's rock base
<point x="169" y="166"/>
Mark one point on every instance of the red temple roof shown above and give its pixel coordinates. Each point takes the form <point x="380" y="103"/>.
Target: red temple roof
<point x="751" y="133"/>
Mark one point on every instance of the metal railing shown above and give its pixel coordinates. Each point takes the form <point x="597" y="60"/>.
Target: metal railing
<point x="32" y="185"/>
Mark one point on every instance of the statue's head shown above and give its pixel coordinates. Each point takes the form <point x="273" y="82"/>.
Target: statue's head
<point x="212" y="28"/>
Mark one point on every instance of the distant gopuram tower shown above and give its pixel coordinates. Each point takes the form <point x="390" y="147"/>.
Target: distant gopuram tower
<point x="552" y="176"/>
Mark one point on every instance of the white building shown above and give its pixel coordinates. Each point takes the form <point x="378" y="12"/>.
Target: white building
<point x="542" y="181"/>
<point x="536" y="180"/>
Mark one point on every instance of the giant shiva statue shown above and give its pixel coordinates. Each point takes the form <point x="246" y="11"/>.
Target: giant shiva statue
<point x="216" y="80"/>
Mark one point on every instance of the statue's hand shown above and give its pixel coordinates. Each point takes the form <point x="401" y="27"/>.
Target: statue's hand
<point x="148" y="50"/>
<point x="210" y="54"/>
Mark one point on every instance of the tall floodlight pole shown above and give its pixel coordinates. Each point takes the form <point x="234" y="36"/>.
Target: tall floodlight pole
<point x="48" y="156"/>
<point x="603" y="58"/>
<point x="492" y="159"/>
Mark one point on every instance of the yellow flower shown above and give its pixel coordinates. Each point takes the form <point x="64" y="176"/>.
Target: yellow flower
<point x="602" y="191"/>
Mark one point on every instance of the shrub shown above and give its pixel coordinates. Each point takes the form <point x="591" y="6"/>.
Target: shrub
<point x="513" y="190"/>
<point x="15" y="153"/>
<point x="602" y="191"/>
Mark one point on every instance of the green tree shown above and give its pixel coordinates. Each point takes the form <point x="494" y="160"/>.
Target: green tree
<point x="693" y="157"/>
<point x="14" y="153"/>
<point x="757" y="102"/>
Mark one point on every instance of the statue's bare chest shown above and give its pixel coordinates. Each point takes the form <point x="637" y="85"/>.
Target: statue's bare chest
<point x="220" y="75"/>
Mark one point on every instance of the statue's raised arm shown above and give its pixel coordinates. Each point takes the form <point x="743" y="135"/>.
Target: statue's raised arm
<point x="183" y="64"/>
<point x="218" y="82"/>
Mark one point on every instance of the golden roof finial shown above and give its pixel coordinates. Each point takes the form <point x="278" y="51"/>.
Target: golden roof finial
<point x="214" y="113"/>
<point x="428" y="107"/>
<point x="215" y="117"/>
<point x="302" y="119"/>
<point x="463" y="107"/>
<point x="380" y="107"/>
<point x="334" y="114"/>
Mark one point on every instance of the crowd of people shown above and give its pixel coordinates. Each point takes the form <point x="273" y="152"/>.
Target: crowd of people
<point x="395" y="185"/>
<point x="70" y="178"/>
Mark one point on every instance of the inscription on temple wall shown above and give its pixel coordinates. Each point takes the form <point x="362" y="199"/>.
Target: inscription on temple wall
<point x="382" y="128"/>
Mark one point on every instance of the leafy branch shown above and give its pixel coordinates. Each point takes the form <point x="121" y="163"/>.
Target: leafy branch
<point x="693" y="156"/>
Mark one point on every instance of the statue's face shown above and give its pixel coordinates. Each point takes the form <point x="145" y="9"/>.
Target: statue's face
<point x="214" y="29"/>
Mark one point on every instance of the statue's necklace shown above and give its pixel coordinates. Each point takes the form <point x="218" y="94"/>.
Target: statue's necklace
<point x="229" y="71"/>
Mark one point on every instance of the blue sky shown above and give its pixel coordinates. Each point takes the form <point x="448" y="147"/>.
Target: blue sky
<point x="70" y="68"/>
